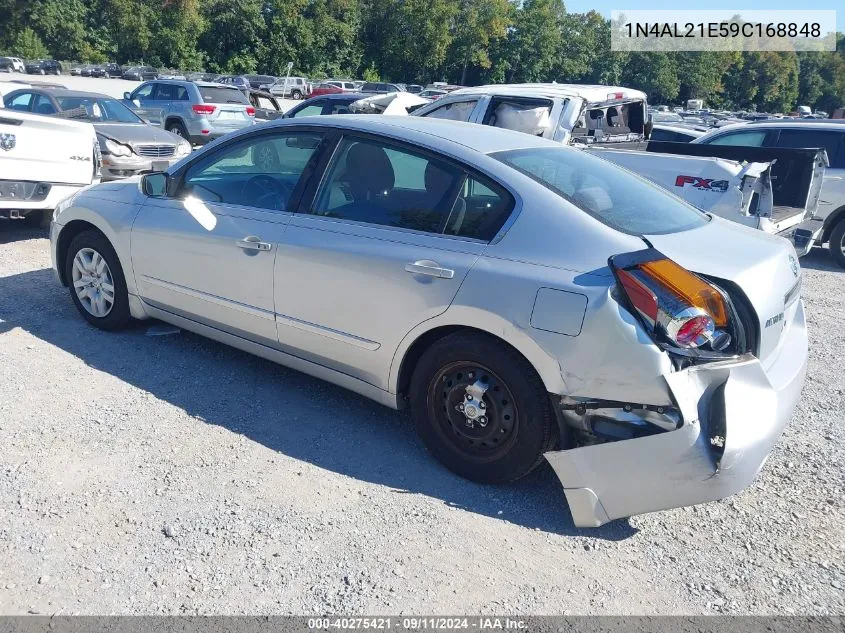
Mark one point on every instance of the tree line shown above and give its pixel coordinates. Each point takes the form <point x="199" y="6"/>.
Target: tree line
<point x="414" y="41"/>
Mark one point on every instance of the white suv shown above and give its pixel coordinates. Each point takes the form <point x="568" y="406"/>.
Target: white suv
<point x="829" y="222"/>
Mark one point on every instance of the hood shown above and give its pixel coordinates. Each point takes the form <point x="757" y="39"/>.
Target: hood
<point x="125" y="191"/>
<point x="764" y="267"/>
<point x="136" y="134"/>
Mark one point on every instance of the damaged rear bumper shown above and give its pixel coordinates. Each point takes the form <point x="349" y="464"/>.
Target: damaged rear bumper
<point x="733" y="414"/>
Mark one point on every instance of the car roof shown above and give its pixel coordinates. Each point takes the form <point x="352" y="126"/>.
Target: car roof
<point x="64" y="92"/>
<point x="590" y="93"/>
<point x="484" y="139"/>
<point x="202" y="84"/>
<point x="797" y="122"/>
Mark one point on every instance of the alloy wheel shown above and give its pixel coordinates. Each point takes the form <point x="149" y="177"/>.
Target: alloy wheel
<point x="93" y="282"/>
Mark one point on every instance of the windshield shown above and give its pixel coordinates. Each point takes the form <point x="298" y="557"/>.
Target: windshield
<point x="218" y="94"/>
<point x="610" y="194"/>
<point x="99" y="110"/>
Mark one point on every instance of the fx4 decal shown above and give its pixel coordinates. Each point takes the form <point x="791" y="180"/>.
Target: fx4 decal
<point x="706" y="184"/>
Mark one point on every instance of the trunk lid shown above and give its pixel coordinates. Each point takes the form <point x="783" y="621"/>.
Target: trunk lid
<point x="37" y="148"/>
<point x="764" y="267"/>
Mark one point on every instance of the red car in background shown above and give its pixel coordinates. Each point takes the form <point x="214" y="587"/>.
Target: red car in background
<point x="332" y="87"/>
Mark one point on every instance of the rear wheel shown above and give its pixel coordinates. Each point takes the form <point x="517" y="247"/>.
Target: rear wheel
<point x="178" y="129"/>
<point x="481" y="409"/>
<point x="837" y="243"/>
<point x="96" y="281"/>
<point x="296" y="94"/>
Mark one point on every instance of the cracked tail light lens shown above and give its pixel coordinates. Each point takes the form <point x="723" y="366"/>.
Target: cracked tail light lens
<point x="675" y="303"/>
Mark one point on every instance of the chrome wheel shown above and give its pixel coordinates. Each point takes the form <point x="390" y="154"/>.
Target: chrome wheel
<point x="93" y="282"/>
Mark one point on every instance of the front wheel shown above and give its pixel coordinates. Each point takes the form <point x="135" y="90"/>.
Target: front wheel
<point x="837" y="243"/>
<point x="96" y="281"/>
<point x="481" y="408"/>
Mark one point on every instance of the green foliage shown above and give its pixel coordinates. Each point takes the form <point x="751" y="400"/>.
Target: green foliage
<point x="419" y="41"/>
<point x="28" y="45"/>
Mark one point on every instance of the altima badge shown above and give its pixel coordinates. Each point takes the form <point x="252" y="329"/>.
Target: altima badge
<point x="7" y="141"/>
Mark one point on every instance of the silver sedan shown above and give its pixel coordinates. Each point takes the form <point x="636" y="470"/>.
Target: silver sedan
<point x="524" y="300"/>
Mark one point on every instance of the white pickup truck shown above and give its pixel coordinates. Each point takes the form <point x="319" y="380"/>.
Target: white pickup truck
<point x="43" y="160"/>
<point x="612" y="122"/>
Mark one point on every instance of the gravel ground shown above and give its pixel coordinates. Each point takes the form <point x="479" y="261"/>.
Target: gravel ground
<point x="171" y="474"/>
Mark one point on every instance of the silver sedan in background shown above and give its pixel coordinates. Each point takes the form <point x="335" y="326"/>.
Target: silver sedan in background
<point x="524" y="300"/>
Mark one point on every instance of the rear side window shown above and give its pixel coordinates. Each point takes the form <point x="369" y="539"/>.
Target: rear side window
<point x="216" y="94"/>
<point x="377" y="183"/>
<point x="668" y="135"/>
<point x="612" y="195"/>
<point x="831" y="141"/>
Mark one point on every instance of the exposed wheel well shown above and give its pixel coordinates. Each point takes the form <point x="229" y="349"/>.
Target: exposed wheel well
<point x="426" y="340"/>
<point x="70" y="231"/>
<point x="832" y="220"/>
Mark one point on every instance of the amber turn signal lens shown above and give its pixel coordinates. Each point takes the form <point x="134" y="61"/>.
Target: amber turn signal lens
<point x="689" y="287"/>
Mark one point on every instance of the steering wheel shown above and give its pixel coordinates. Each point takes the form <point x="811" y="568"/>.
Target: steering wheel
<point x="266" y="192"/>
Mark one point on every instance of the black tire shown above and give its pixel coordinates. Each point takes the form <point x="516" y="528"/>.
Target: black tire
<point x="482" y="457"/>
<point x="296" y="95"/>
<point x="177" y="128"/>
<point x="836" y="244"/>
<point x="118" y="317"/>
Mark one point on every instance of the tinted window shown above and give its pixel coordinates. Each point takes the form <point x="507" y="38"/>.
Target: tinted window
<point x="455" y="111"/>
<point x="751" y="138"/>
<point x="43" y="105"/>
<point x="828" y="139"/>
<point x="611" y="195"/>
<point x="375" y="183"/>
<point x="480" y="210"/>
<point x="339" y="107"/>
<point x="216" y="94"/>
<point x="260" y="172"/>
<point x="369" y="87"/>
<point x="19" y="102"/>
<point x="668" y="135"/>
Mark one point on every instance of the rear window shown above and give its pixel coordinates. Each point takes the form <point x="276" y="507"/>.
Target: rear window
<point x="216" y="94"/>
<point x="610" y="194"/>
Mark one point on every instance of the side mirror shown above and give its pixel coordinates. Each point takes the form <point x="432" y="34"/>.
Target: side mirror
<point x="155" y="185"/>
<point x="127" y="96"/>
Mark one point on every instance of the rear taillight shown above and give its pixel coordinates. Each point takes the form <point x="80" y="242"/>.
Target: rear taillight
<point x="250" y="111"/>
<point x="675" y="305"/>
<point x="202" y="108"/>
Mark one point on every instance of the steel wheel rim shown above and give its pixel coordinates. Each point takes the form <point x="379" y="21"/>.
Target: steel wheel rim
<point x="93" y="282"/>
<point x="478" y="443"/>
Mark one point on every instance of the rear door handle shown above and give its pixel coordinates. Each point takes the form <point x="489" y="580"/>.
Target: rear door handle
<point x="430" y="268"/>
<point x="253" y="243"/>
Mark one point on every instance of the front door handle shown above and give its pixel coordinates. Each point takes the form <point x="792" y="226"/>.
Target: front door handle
<point x="253" y="243"/>
<point x="430" y="268"/>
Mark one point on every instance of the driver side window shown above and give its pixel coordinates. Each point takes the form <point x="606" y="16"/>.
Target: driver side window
<point x="261" y="172"/>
